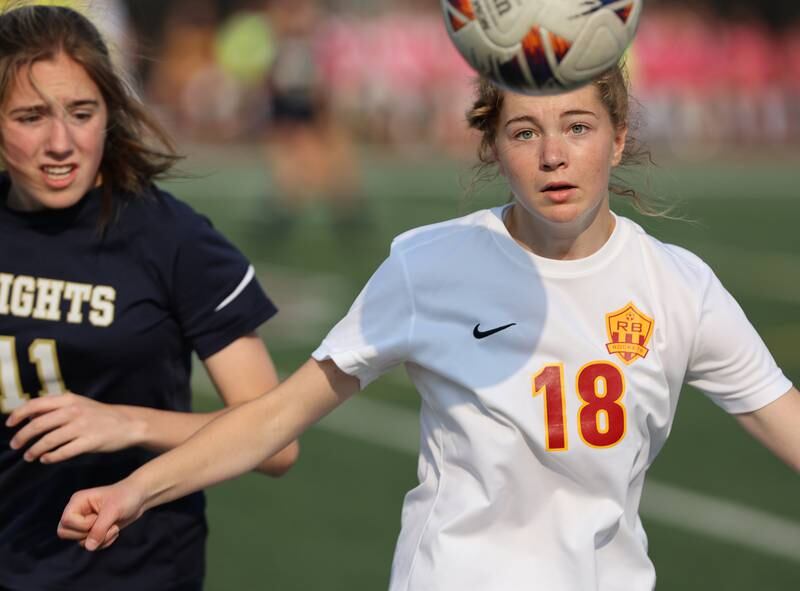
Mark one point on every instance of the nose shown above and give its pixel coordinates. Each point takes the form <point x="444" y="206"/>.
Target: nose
<point x="59" y="142"/>
<point x="554" y="154"/>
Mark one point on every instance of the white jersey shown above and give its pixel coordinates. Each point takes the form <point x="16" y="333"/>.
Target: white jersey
<point x="548" y="388"/>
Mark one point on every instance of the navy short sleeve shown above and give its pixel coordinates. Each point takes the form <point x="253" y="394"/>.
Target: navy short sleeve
<point x="215" y="293"/>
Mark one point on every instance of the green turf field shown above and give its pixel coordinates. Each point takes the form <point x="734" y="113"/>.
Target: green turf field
<point x="331" y="523"/>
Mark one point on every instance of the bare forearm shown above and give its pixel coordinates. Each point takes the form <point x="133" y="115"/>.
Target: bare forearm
<point x="244" y="436"/>
<point x="223" y="449"/>
<point x="161" y="430"/>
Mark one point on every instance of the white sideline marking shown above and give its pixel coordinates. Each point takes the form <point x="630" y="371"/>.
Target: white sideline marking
<point x="398" y="429"/>
<point x="721" y="519"/>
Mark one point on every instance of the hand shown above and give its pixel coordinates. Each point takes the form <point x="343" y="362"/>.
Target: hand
<point x="70" y="425"/>
<point x="94" y="517"/>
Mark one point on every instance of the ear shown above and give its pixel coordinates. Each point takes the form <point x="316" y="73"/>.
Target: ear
<point x="498" y="161"/>
<point x="620" y="137"/>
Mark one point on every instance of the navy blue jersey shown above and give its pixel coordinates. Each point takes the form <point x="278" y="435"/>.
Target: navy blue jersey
<point x="114" y="316"/>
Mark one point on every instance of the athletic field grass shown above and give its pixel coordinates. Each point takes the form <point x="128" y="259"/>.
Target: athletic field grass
<point x="720" y="511"/>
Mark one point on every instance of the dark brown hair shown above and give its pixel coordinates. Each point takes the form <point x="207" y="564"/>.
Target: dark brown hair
<point x="612" y="88"/>
<point x="137" y="149"/>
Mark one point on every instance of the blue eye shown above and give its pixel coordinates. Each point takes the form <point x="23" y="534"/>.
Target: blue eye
<point x="525" y="134"/>
<point x="579" y="129"/>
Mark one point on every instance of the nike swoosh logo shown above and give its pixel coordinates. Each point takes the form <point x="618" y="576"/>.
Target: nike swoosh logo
<point x="479" y="334"/>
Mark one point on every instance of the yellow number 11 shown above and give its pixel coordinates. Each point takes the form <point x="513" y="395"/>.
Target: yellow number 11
<point x="42" y="353"/>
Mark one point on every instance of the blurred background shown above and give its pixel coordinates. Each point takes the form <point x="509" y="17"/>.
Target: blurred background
<point x="712" y="73"/>
<point x="316" y="131"/>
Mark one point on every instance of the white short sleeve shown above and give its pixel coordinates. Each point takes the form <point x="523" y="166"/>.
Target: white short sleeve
<point x="375" y="334"/>
<point x="729" y="360"/>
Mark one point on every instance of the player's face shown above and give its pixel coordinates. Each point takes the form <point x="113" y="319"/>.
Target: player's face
<point x="556" y="152"/>
<point x="52" y="129"/>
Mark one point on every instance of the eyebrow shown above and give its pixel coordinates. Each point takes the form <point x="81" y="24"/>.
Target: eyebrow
<point x="43" y="108"/>
<point x="530" y="119"/>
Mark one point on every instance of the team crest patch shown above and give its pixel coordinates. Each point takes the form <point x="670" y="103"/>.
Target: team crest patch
<point x="629" y="331"/>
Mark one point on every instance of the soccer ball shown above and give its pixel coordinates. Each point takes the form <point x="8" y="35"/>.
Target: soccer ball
<point x="541" y="46"/>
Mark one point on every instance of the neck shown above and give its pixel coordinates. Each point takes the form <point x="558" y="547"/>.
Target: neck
<point x="18" y="202"/>
<point x="561" y="241"/>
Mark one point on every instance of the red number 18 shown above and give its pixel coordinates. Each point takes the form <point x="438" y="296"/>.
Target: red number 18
<point x="602" y="417"/>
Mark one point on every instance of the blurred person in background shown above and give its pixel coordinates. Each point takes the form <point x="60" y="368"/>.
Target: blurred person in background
<point x="245" y="51"/>
<point x="107" y="285"/>
<point x="549" y="339"/>
<point x="311" y="155"/>
<point x="185" y="81"/>
<point x="209" y="75"/>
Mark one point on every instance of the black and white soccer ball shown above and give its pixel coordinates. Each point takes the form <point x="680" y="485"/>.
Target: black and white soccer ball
<point x="541" y="46"/>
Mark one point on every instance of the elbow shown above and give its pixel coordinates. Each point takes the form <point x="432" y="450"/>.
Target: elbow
<point x="283" y="461"/>
<point x="790" y="457"/>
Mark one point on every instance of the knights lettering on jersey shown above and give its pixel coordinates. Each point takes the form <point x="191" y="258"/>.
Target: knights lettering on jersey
<point x="41" y="298"/>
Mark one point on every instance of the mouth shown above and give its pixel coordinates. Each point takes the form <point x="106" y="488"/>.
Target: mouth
<point x="58" y="172"/>
<point x="554" y="187"/>
<point x="59" y="176"/>
<point x="559" y="193"/>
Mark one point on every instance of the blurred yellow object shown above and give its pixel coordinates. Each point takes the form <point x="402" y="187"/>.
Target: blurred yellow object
<point x="245" y="47"/>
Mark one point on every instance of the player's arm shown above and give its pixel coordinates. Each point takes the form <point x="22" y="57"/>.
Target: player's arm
<point x="234" y="443"/>
<point x="69" y="425"/>
<point x="241" y="372"/>
<point x="777" y="426"/>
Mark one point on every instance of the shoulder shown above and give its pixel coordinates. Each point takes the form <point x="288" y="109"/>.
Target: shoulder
<point x="443" y="235"/>
<point x="159" y="207"/>
<point x="158" y="214"/>
<point x="666" y="258"/>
